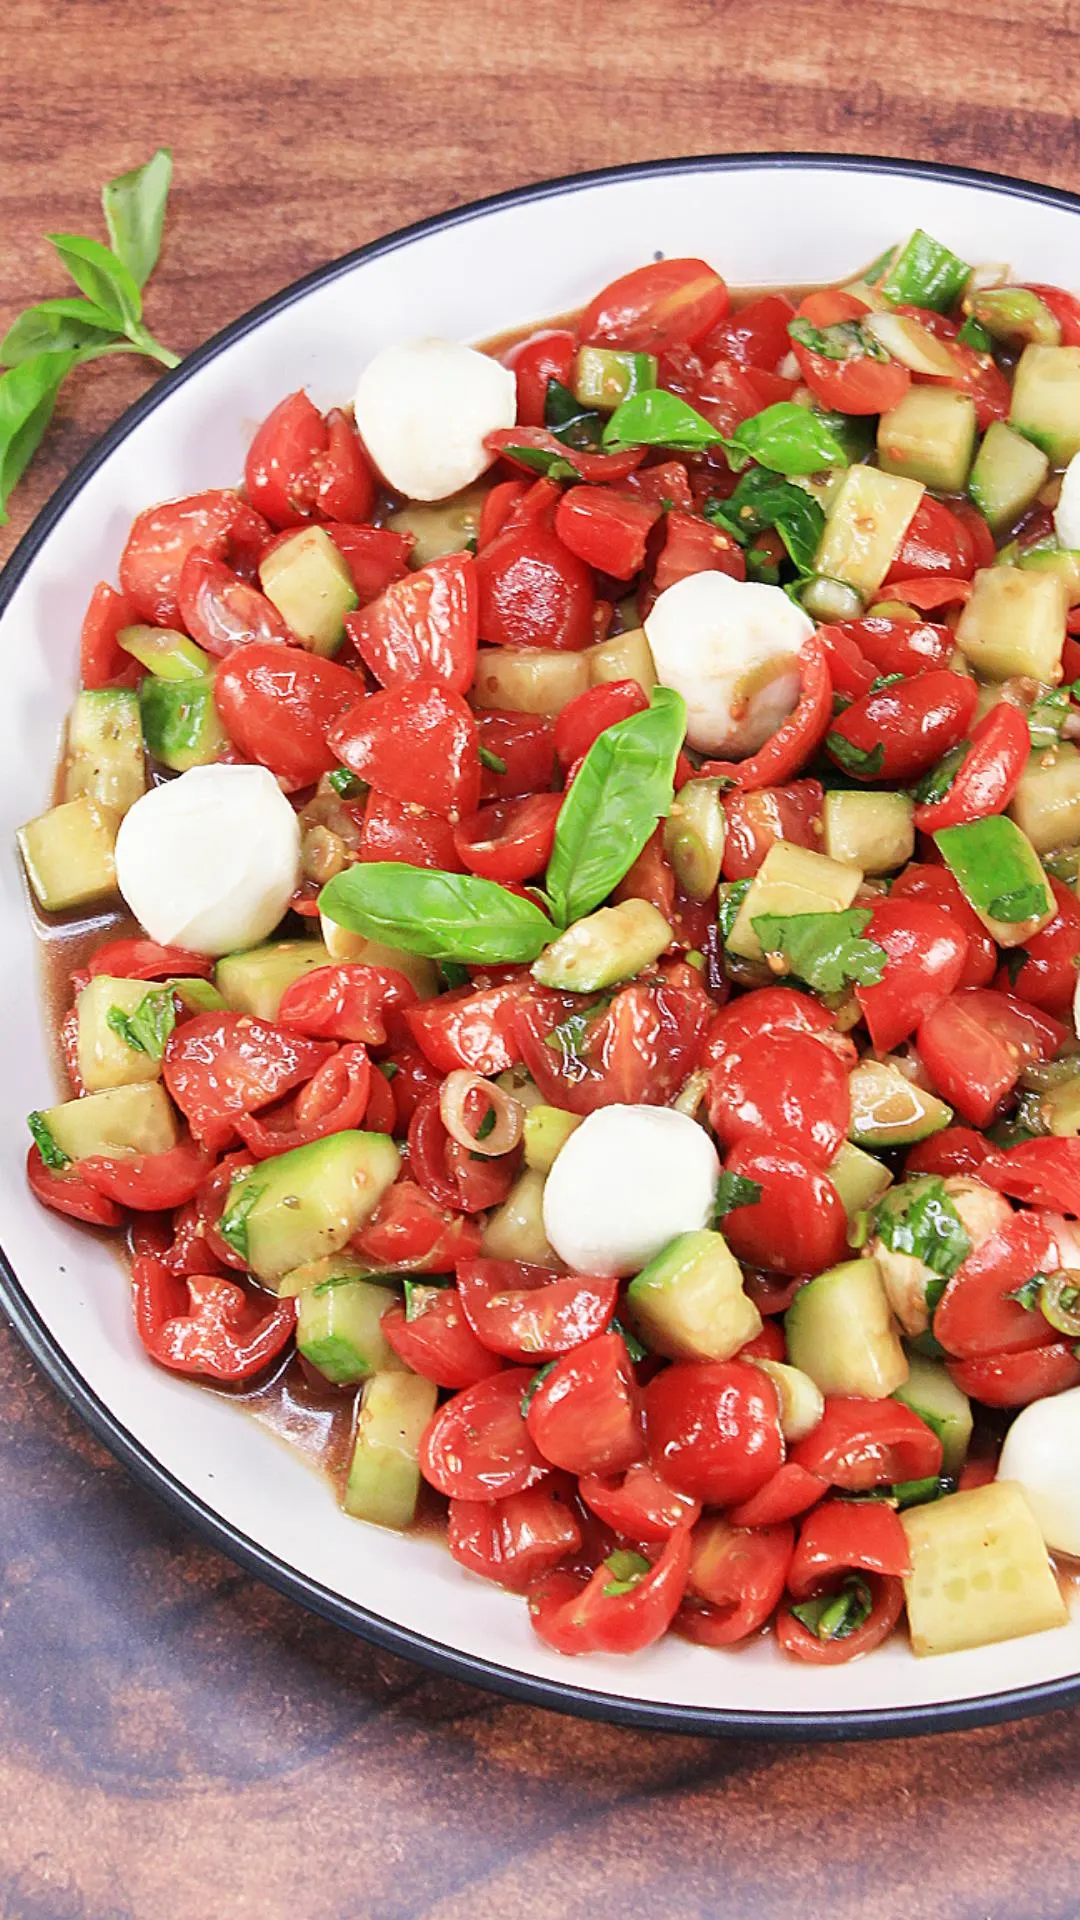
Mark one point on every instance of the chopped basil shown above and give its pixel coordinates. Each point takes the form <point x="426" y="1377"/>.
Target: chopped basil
<point x="833" y="1616"/>
<point x="824" y="949"/>
<point x="564" y="416"/>
<point x="1027" y="1296"/>
<point x="627" y="1570"/>
<point x="918" y="1218"/>
<point x="233" y="1223"/>
<point x="1047" y="716"/>
<point x="569" y="1037"/>
<point x="972" y="334"/>
<point x="494" y="762"/>
<point x="543" y="460"/>
<point x="734" y="1190"/>
<point x="935" y="785"/>
<point x="1023" y="903"/>
<point x="51" y="1154"/>
<point x="453" y="974"/>
<point x="730" y="899"/>
<point x="1016" y="960"/>
<point x="761" y="501"/>
<point x="844" y="340"/>
<point x="344" y="783"/>
<point x="419" y="1285"/>
<point x="537" y="1381"/>
<point x="866" y="762"/>
<point x="633" y="1345"/>
<point x="148" y="1028"/>
<point x="884" y="680"/>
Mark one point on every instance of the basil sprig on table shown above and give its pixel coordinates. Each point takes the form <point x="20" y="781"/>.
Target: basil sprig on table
<point x="623" y="787"/>
<point x="785" y="437"/>
<point x="48" y="340"/>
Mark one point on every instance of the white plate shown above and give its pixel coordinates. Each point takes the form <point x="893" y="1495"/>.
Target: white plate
<point x="469" y="274"/>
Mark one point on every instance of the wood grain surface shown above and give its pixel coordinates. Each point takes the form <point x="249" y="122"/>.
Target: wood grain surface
<point x="175" y="1740"/>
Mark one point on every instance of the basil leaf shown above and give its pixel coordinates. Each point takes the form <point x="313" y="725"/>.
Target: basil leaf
<point x="1016" y="960"/>
<point x="148" y="1028"/>
<point x="787" y="438"/>
<point x="845" y="340"/>
<point x="543" y="460"/>
<point x="627" y="1570"/>
<point x="936" y="784"/>
<point x="27" y="398"/>
<point x="134" y="207"/>
<point x="634" y="1348"/>
<point x="1023" y="903"/>
<point x="232" y="1225"/>
<point x="537" y="1381"/>
<point x="569" y="1037"/>
<point x="568" y="420"/>
<point x="1027" y="1295"/>
<point x="1047" y="716"/>
<point x="972" y="334"/>
<point x="625" y="785"/>
<point x="824" y="949"/>
<point x="346" y="785"/>
<point x="54" y="326"/>
<point x="102" y="277"/>
<point x="734" y="1190"/>
<point x="762" y="500"/>
<point x="656" y="418"/>
<point x="833" y="1616"/>
<point x="447" y="916"/>
<point x="494" y="762"/>
<point x="919" y="1218"/>
<point x="52" y="1155"/>
<point x="731" y="896"/>
<point x="859" y="760"/>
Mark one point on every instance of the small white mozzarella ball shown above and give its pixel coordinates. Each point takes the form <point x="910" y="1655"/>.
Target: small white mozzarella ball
<point x="626" y="1182"/>
<point x="731" y="648"/>
<point x="1067" y="511"/>
<point x="210" y="861"/>
<point x="424" y="409"/>
<point x="1040" y="1453"/>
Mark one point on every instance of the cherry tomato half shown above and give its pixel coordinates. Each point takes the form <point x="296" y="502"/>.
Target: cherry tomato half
<point x="988" y="777"/>
<point x="422" y="627"/>
<point x="903" y="730"/>
<point x="798" y="1225"/>
<point x="781" y="1090"/>
<point x="477" y="1447"/>
<point x="514" y="1541"/>
<point x="278" y="704"/>
<point x="510" y="840"/>
<point x="219" y="523"/>
<point x="608" y="1614"/>
<point x="533" y="592"/>
<point x="859" y="1444"/>
<point x="976" y="1315"/>
<point x="976" y="1044"/>
<point x="655" y="307"/>
<point x="437" y="1340"/>
<point x="418" y="743"/>
<point x="585" y="1416"/>
<point x="736" y="1581"/>
<point x="303" y="466"/>
<point x="713" y="1429"/>
<point x="528" y="1313"/>
<point x="756" y="821"/>
<point x="925" y="955"/>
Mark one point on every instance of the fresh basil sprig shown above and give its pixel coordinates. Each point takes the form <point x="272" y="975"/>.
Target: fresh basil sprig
<point x="446" y="916"/>
<point x="46" y="341"/>
<point x="785" y="437"/>
<point x="625" y="784"/>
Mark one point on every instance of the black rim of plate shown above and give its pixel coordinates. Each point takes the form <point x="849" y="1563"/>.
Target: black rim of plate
<point x="559" y="1696"/>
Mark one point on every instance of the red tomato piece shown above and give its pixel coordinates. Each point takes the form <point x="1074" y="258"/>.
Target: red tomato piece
<point x="605" y="529"/>
<point x="604" y="1614"/>
<point x="1041" y="1173"/>
<point x="586" y="717"/>
<point x="976" y="1044"/>
<point x="533" y="592"/>
<point x="713" y="1429"/>
<point x="756" y="821"/>
<point x="152" y="1182"/>
<point x="637" y="1504"/>
<point x="454" y="1176"/>
<point x="905" y="729"/>
<point x="102" y="663"/>
<point x="850" y="671"/>
<point x="935" y="542"/>
<point x="859" y="385"/>
<point x="1016" y="1379"/>
<point x="694" y="545"/>
<point x="65" y="1191"/>
<point x="954" y="1150"/>
<point x="218" y="1065"/>
<point x="375" y="556"/>
<point x="768" y="1010"/>
<point x="798" y="1225"/>
<point x="508" y="442"/>
<point x="418" y="743"/>
<point x="736" y="1581"/>
<point x="887" y="1602"/>
<point x="989" y="776"/>
<point x="206" y="1325"/>
<point x="790" y="1492"/>
<point x="528" y="1313"/>
<point x="927" y="594"/>
<point x="278" y="704"/>
<point x="478" y="1447"/>
<point x="756" y="335"/>
<point x="668" y="483"/>
<point x="220" y="611"/>
<point x="335" y="1100"/>
<point x="937" y="884"/>
<point x="859" y="1444"/>
<point x="219" y="523"/>
<point x="900" y="646"/>
<point x="524" y="743"/>
<point x="304" y="466"/>
<point x="982" y="540"/>
<point x="976" y="1314"/>
<point x="925" y="956"/>
<point x="585" y="1415"/>
<point x="769" y="1344"/>
<point x="638" y="1050"/>
<point x="1047" y="973"/>
<point x="398" y="830"/>
<point x="841" y="1536"/>
<point x="423" y="627"/>
<point x="661" y="305"/>
<point x="542" y="357"/>
<point x="781" y="1090"/>
<point x="510" y="840"/>
<point x="410" y="1233"/>
<point x="516" y="1540"/>
<point x="345" y="1002"/>
<point x="438" y="1342"/>
<point x="147" y="960"/>
<point x="470" y="1029"/>
<point x="796" y="739"/>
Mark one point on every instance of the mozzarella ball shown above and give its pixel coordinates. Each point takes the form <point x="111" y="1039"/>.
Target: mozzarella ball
<point x="210" y="861"/>
<point x="731" y="648"/>
<point x="626" y="1182"/>
<point x="1040" y="1453"/>
<point x="1067" y="511"/>
<point x="423" y="410"/>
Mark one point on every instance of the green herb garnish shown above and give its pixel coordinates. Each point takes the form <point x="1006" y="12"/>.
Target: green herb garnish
<point x="825" y="949"/>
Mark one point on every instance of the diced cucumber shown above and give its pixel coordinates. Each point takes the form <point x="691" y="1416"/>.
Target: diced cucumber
<point x="874" y="831"/>
<point x="1014" y="623"/>
<point x="929" y="1392"/>
<point x="626" y="657"/>
<point x="547" y="1130"/>
<point x="859" y="1179"/>
<point x="980" y="1571"/>
<point x="689" y="1302"/>
<point x="929" y="436"/>
<point x="1046" y="400"/>
<point x="1001" y="876"/>
<point x="384" y="1476"/>
<point x="1059" y="1108"/>
<point x="105" y="749"/>
<point x="1016" y="316"/>
<point x="612" y="944"/>
<point x="1064" y="561"/>
<point x="1046" y="804"/>
<point x="105" y="1057"/>
<point x="166" y="653"/>
<point x="1007" y="475"/>
<point x="529" y="679"/>
<point x="134" y="1119"/>
<point x="827" y="600"/>
<point x="315" y="1273"/>
<point x="866" y="523"/>
<point x="254" y="981"/>
<point x="181" y="723"/>
<point x="308" y="581"/>
<point x="791" y="880"/>
<point x="604" y="377"/>
<point x="307" y="1202"/>
<point x="68" y="854"/>
<point x="341" y="945"/>
<point x="923" y="273"/>
<point x="515" y="1231"/>
<point x="339" y="1330"/>
<point x="441" y="526"/>
<point x="889" y="1110"/>
<point x="694" y="835"/>
<point x="840" y="1331"/>
<point x="802" y="1402"/>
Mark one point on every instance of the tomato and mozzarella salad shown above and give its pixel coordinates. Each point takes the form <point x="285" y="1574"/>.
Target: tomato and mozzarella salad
<point x="583" y="851"/>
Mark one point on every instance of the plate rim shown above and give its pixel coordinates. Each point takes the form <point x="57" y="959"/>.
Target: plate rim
<point x="509" y="1682"/>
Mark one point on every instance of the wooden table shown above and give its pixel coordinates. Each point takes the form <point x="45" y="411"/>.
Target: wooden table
<point x="175" y="1740"/>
